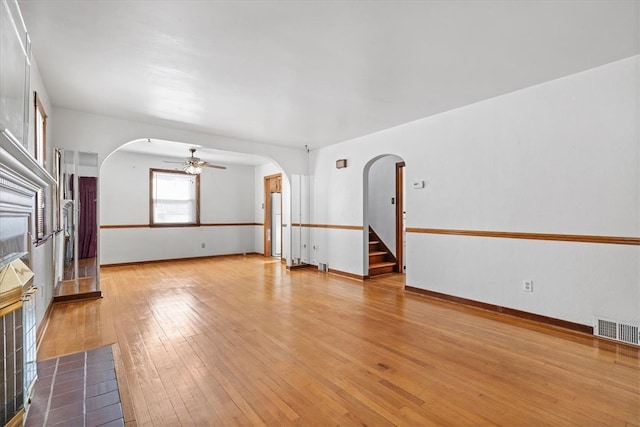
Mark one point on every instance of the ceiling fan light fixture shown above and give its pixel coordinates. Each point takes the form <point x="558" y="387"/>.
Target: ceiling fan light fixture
<point x="193" y="165"/>
<point x="193" y="170"/>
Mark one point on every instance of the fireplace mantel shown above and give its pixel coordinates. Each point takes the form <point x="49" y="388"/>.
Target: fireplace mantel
<point x="19" y="167"/>
<point x="20" y="178"/>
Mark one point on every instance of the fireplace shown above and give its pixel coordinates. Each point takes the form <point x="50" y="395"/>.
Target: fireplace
<point x="12" y="380"/>
<point x="20" y="178"/>
<point x="15" y="287"/>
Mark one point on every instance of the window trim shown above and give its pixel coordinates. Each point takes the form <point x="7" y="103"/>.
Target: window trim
<point x="152" y="205"/>
<point x="40" y="146"/>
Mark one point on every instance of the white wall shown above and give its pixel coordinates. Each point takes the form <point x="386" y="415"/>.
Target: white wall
<point x="75" y="130"/>
<point x="42" y="256"/>
<point x="381" y="189"/>
<point x="226" y="196"/>
<point x="560" y="157"/>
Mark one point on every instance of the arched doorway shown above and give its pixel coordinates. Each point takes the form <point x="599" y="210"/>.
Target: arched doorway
<point x="384" y="215"/>
<point x="229" y="200"/>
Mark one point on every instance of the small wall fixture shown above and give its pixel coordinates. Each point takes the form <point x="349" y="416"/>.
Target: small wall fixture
<point x="341" y="163"/>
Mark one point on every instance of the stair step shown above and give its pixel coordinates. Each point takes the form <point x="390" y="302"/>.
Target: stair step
<point x="381" y="265"/>
<point x="374" y="242"/>
<point x="381" y="268"/>
<point x="376" y="257"/>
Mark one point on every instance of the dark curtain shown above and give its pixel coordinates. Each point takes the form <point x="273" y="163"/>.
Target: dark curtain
<point x="87" y="224"/>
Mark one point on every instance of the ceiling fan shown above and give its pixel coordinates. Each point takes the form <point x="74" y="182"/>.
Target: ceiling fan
<point x="193" y="165"/>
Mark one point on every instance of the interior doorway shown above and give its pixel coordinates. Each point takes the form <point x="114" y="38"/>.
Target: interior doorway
<point x="384" y="203"/>
<point x="273" y="215"/>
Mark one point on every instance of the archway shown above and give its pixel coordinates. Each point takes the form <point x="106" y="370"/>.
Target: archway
<point x="384" y="215"/>
<point x="231" y="205"/>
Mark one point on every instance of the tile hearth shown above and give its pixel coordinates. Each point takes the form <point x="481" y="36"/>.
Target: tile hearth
<point x="79" y="389"/>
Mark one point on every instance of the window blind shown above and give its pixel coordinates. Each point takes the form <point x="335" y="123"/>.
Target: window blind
<point x="40" y="213"/>
<point x="174" y="198"/>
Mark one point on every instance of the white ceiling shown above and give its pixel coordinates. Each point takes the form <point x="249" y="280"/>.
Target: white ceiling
<point x="172" y="150"/>
<point x="309" y="72"/>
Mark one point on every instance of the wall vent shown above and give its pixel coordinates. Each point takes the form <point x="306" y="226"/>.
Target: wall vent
<point x="628" y="333"/>
<point x="322" y="266"/>
<point x="618" y="331"/>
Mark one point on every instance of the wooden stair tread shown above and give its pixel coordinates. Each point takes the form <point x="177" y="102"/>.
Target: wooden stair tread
<point x="377" y="253"/>
<point x="381" y="264"/>
<point x="379" y="256"/>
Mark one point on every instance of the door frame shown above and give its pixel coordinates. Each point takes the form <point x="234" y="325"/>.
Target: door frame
<point x="400" y="217"/>
<point x="269" y="180"/>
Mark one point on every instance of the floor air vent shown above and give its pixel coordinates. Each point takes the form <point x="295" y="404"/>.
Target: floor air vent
<point x="617" y="331"/>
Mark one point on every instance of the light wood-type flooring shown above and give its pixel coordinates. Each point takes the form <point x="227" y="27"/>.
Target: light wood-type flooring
<point x="241" y="341"/>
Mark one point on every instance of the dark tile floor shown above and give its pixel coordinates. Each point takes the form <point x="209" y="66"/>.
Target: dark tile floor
<point x="77" y="390"/>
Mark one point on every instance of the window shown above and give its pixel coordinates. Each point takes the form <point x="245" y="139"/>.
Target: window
<point x="40" y="131"/>
<point x="174" y="198"/>
<point x="40" y="154"/>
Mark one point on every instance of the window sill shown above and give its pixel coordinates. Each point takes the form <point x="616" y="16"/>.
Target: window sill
<point x="174" y="225"/>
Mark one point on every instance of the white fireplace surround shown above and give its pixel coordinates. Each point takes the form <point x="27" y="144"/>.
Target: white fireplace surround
<point x="20" y="178"/>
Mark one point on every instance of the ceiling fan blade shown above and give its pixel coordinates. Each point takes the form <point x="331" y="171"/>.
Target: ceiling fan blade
<point x="194" y="161"/>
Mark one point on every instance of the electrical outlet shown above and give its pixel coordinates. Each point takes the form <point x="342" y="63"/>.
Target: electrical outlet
<point x="527" y="285"/>
<point x="203" y="245"/>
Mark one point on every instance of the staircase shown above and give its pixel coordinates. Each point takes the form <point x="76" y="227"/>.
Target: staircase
<point x="381" y="260"/>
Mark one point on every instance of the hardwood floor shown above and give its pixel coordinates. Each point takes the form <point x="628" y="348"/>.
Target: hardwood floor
<point x="241" y="341"/>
